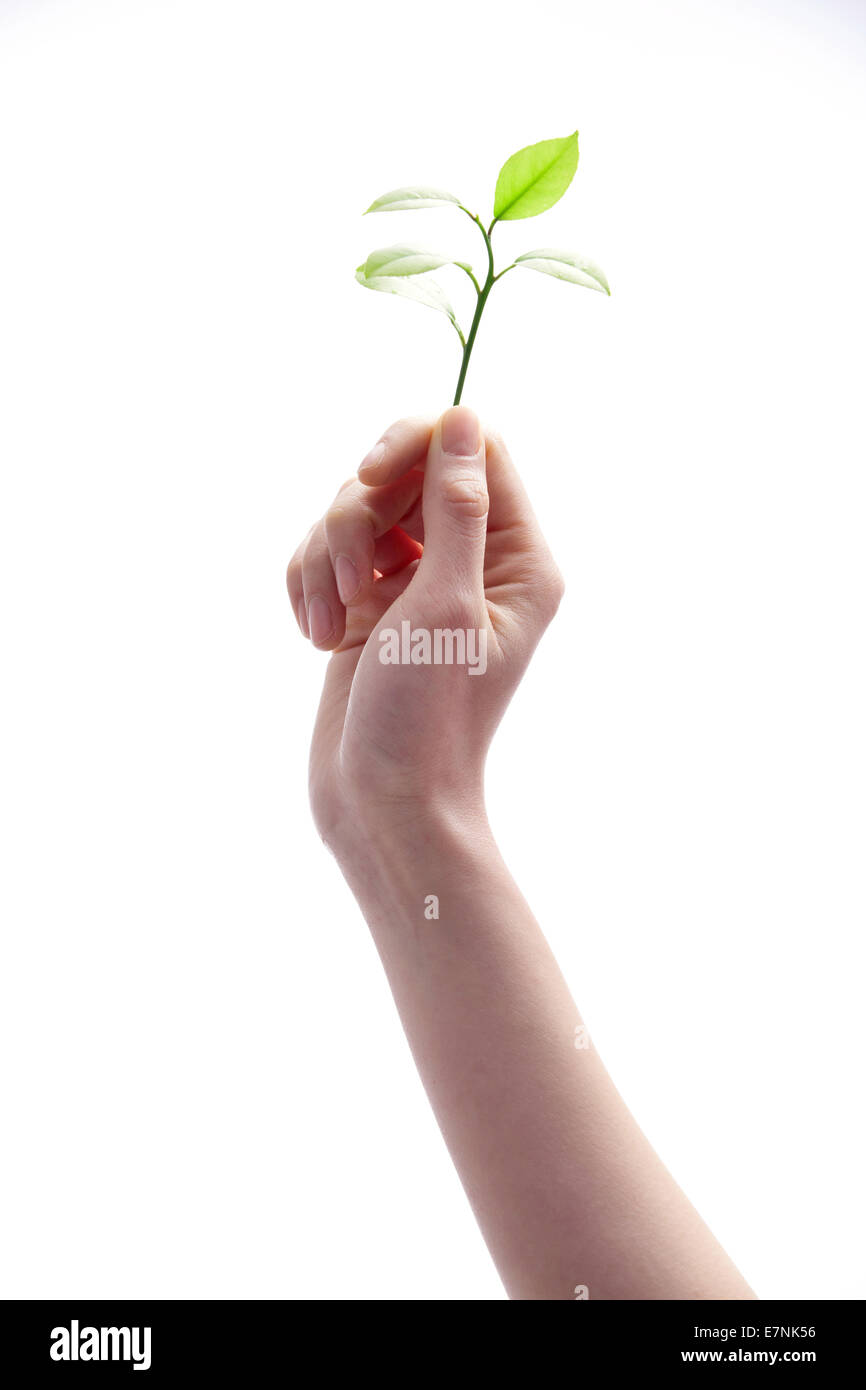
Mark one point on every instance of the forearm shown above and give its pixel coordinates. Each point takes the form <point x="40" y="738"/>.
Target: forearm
<point x="566" y="1189"/>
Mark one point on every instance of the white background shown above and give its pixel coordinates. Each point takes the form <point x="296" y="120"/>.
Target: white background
<point x="205" y="1089"/>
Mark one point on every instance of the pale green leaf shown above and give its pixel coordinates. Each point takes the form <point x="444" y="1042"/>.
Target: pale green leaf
<point x="408" y="260"/>
<point x="403" y="260"/>
<point x="535" y="178"/>
<point x="422" y="291"/>
<point x="565" y="265"/>
<point x="401" y="199"/>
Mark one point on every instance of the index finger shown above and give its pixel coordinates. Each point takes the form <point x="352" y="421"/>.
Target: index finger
<point x="403" y="446"/>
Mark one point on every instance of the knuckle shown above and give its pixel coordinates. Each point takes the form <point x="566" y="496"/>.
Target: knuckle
<point x="466" y="495"/>
<point x="293" y="573"/>
<point x="295" y="568"/>
<point x="335" y="518"/>
<point x="315" y="556"/>
<point x="552" y="588"/>
<point x="399" y="429"/>
<point x="339" y="518"/>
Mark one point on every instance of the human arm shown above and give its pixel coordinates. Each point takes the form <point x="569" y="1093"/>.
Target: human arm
<point x="566" y="1189"/>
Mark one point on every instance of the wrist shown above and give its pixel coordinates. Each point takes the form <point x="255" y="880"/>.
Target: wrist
<point x="399" y="853"/>
<point x="404" y="826"/>
<point x="353" y="815"/>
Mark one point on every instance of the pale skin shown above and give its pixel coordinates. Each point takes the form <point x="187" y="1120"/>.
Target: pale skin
<point x="437" y="529"/>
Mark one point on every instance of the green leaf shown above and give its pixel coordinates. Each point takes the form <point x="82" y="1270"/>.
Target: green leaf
<point x="565" y="265"/>
<point x="407" y="260"/>
<point x="535" y="178"/>
<point x="422" y="291"/>
<point x="400" y="199"/>
<point x="403" y="260"/>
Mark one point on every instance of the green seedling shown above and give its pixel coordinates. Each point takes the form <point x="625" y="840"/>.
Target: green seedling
<point x="530" y="182"/>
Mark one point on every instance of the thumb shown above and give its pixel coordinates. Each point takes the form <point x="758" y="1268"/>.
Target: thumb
<point x="455" y="502"/>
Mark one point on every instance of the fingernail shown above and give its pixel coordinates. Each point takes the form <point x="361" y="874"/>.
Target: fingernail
<point x="374" y="458"/>
<point x="348" y="582"/>
<point x="321" y="622"/>
<point x="302" y="618"/>
<point x="461" y="433"/>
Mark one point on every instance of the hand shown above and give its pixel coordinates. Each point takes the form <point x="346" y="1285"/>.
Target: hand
<point x="437" y="532"/>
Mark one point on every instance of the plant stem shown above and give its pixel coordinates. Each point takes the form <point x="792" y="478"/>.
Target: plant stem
<point x="479" y="307"/>
<point x="468" y="271"/>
